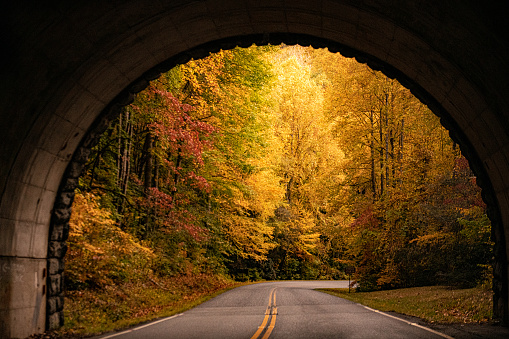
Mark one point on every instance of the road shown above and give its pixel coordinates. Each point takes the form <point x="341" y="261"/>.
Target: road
<point x="276" y="310"/>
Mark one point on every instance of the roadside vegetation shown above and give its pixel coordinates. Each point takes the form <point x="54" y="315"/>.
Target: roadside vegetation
<point x="114" y="281"/>
<point x="116" y="307"/>
<point x="433" y="304"/>
<point x="269" y="163"/>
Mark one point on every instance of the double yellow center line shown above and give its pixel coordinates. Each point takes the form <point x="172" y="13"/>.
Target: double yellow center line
<point x="271" y="314"/>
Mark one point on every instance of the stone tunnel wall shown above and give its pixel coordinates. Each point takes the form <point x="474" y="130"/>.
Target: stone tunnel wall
<point x="66" y="63"/>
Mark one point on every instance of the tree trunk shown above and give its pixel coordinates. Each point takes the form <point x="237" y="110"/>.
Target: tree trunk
<point x="119" y="150"/>
<point x="400" y="159"/>
<point x="125" y="133"/>
<point x="176" y="176"/>
<point x="393" y="160"/>
<point x="387" y="178"/>
<point x="381" y="151"/>
<point x="373" y="174"/>
<point x="289" y="191"/>
<point x="147" y="149"/>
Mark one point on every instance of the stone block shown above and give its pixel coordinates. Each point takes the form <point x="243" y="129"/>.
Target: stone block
<point x="75" y="169"/>
<point x="39" y="241"/>
<point x="23" y="238"/>
<point x="62" y="214"/>
<point x="22" y="297"/>
<point x="51" y="305"/>
<point x="40" y="167"/>
<point x="60" y="132"/>
<point x="69" y="184"/>
<point x="55" y="321"/>
<point x="54" y="266"/>
<point x="7" y="246"/>
<point x="81" y="155"/>
<point x="45" y="205"/>
<point x="55" y="304"/>
<point x="55" y="285"/>
<point x="57" y="249"/>
<point x="29" y="195"/>
<point x="64" y="199"/>
<point x="59" y="231"/>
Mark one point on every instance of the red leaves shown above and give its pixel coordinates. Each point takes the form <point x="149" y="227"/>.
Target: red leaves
<point x="462" y="190"/>
<point x="461" y="165"/>
<point x="367" y="220"/>
<point x="180" y="141"/>
<point x="177" y="131"/>
<point x="182" y="136"/>
<point x="199" y="182"/>
<point x="170" y="214"/>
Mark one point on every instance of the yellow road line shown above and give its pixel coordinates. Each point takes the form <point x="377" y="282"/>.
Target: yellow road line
<point x="271" y="312"/>
<point x="272" y="324"/>
<point x="261" y="328"/>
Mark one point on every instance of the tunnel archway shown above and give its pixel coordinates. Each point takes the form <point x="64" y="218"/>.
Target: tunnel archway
<point x="71" y="69"/>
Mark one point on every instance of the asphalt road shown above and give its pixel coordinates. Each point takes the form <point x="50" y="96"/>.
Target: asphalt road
<point x="283" y="309"/>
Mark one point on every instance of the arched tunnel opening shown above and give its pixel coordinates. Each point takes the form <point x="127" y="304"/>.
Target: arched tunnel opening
<point x="62" y="209"/>
<point x="84" y="62"/>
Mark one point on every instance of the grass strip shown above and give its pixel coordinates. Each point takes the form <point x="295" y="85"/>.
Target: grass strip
<point x="434" y="304"/>
<point x="113" y="308"/>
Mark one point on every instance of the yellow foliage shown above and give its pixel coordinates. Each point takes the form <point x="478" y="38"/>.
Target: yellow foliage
<point x="433" y="238"/>
<point x="251" y="237"/>
<point x="99" y="251"/>
<point x="96" y="224"/>
<point x="304" y="227"/>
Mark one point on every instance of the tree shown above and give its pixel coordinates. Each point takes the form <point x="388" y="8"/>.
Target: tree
<point x="289" y="162"/>
<point x="397" y="159"/>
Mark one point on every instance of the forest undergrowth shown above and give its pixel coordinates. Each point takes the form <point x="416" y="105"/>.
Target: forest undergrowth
<point x="120" y="306"/>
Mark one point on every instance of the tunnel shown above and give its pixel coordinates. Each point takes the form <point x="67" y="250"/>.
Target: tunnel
<point x="68" y="68"/>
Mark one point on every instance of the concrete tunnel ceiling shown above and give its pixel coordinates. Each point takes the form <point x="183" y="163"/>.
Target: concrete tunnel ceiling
<point x="70" y="67"/>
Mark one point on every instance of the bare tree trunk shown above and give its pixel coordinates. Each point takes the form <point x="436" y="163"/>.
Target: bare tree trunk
<point x="119" y="150"/>
<point x="147" y="149"/>
<point x="289" y="191"/>
<point x="176" y="176"/>
<point x="156" y="174"/>
<point x="127" y="162"/>
<point x="393" y="160"/>
<point x="125" y="132"/>
<point x="373" y="174"/>
<point x="401" y="142"/>
<point x="386" y="139"/>
<point x="381" y="151"/>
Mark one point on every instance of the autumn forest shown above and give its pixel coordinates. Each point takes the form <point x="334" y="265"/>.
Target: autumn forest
<point x="277" y="162"/>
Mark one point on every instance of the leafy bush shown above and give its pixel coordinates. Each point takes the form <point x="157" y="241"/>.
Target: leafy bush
<point x="99" y="252"/>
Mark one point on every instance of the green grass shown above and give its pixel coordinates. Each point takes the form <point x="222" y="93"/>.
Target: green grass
<point x="434" y="304"/>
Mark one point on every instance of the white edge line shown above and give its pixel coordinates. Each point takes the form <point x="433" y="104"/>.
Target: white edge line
<point x="409" y="323"/>
<point x="140" y="327"/>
